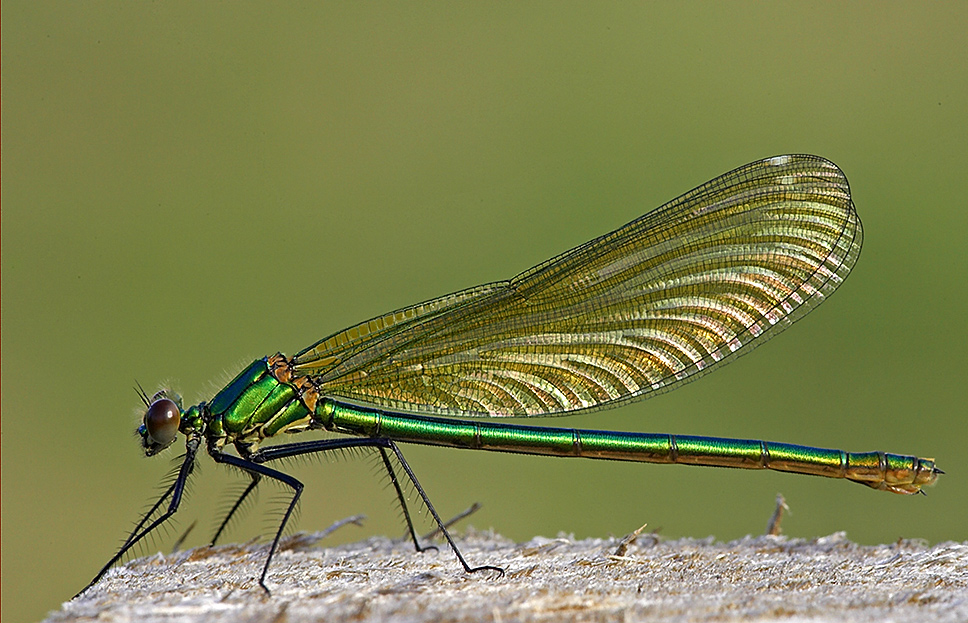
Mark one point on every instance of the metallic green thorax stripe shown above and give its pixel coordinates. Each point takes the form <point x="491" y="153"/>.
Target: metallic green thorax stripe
<point x="257" y="405"/>
<point x="875" y="469"/>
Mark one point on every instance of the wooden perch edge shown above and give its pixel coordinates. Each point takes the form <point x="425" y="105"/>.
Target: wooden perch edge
<point x="762" y="578"/>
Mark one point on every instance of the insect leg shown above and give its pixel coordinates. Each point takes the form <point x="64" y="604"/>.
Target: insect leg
<point x="174" y="492"/>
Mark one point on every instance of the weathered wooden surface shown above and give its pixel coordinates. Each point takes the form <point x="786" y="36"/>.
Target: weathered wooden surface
<point x="754" y="579"/>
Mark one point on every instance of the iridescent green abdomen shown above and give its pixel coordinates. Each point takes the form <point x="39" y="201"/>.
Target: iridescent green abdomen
<point x="878" y="470"/>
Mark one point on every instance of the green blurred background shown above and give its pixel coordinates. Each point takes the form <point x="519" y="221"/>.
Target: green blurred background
<point x="187" y="187"/>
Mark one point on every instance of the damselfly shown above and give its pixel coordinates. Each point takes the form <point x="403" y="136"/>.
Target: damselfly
<point x="641" y="310"/>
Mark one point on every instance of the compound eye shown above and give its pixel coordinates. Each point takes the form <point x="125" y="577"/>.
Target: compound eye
<point x="162" y="420"/>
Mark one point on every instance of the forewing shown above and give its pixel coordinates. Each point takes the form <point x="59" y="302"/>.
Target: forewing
<point x="653" y="304"/>
<point x="330" y="351"/>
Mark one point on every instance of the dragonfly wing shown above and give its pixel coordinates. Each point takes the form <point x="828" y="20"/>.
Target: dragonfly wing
<point x="327" y="353"/>
<point x="653" y="304"/>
